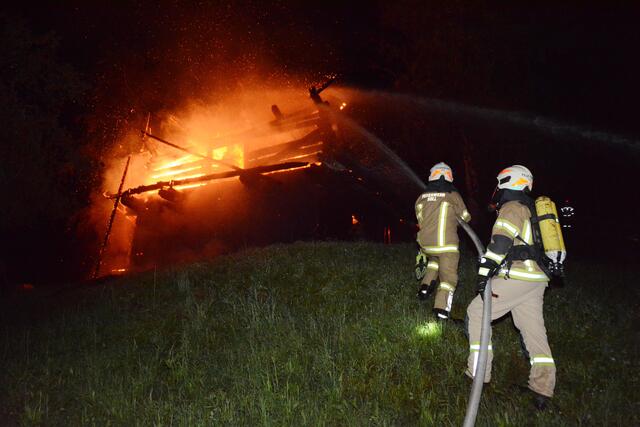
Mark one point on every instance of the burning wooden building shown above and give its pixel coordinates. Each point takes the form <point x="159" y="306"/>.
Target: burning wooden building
<point x="311" y="180"/>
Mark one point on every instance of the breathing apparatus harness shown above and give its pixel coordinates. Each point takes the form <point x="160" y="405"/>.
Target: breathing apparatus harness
<point x="526" y="251"/>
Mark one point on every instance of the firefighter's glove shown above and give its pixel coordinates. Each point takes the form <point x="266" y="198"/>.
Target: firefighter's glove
<point x="421" y="265"/>
<point x="487" y="269"/>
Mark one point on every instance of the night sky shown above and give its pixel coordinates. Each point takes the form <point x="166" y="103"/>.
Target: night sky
<point x="575" y="63"/>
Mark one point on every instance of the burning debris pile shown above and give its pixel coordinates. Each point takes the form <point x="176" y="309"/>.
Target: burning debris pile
<point x="301" y="175"/>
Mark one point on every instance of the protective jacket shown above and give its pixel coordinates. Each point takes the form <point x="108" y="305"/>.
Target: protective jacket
<point x="436" y="211"/>
<point x="520" y="283"/>
<point x="511" y="234"/>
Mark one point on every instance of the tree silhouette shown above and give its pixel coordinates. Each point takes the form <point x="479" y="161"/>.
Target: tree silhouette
<point x="42" y="159"/>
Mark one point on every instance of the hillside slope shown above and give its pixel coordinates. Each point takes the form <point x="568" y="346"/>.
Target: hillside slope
<point x="306" y="334"/>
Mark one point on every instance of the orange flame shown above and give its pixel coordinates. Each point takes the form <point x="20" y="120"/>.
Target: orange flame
<point x="176" y="172"/>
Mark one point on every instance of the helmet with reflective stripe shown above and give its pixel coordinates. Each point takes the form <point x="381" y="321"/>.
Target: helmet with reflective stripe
<point x="516" y="177"/>
<point x="441" y="169"/>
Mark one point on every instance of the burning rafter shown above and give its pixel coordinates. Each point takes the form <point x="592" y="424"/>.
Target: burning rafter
<point x="203" y="179"/>
<point x="178" y="147"/>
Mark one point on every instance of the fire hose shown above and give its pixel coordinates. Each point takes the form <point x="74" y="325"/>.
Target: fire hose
<point x="478" y="379"/>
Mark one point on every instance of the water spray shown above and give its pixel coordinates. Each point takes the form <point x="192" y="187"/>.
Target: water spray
<point x="380" y="145"/>
<point x="478" y="381"/>
<point x="519" y="119"/>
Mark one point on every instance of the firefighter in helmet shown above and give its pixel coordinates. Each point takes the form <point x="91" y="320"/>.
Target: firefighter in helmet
<point x="436" y="212"/>
<point x="518" y="283"/>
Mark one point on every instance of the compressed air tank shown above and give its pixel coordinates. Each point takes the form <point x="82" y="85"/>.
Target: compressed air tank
<point x="550" y="229"/>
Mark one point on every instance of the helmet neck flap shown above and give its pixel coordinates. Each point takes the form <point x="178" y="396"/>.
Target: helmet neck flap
<point x="441" y="185"/>
<point x="502" y="196"/>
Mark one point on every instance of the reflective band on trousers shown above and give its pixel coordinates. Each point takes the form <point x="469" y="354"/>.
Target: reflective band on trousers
<point x="542" y="360"/>
<point x="506" y="225"/>
<point x="517" y="274"/>
<point x="446" y="287"/>
<point x="432" y="265"/>
<point x="442" y="223"/>
<point x="476" y="347"/>
<point x="494" y="256"/>
<point x="440" y="249"/>
<point x="475" y="350"/>
<point x="449" y="301"/>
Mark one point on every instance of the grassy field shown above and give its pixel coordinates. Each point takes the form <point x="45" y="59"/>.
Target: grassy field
<point x="306" y="334"/>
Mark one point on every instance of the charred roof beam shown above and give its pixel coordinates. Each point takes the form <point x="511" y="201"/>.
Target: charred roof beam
<point x="220" y="175"/>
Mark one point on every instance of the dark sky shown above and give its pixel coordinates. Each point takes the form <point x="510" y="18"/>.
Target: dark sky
<point x="576" y="61"/>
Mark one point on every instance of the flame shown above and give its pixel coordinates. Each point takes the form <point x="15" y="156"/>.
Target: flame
<point x="177" y="169"/>
<point x="218" y="153"/>
<point x="354" y="219"/>
<point x="176" y="172"/>
<point x="302" y="156"/>
<point x="185" y="186"/>
<point x="232" y="154"/>
<point x="219" y="135"/>
<point x="290" y="169"/>
<point x="179" y="162"/>
<point x="312" y="145"/>
<point x="195" y="175"/>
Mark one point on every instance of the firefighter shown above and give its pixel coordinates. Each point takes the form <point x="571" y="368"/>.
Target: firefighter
<point x="518" y="283"/>
<point x="436" y="211"/>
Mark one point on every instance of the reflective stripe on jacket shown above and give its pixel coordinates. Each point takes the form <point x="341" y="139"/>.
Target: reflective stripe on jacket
<point x="514" y="219"/>
<point x="436" y="214"/>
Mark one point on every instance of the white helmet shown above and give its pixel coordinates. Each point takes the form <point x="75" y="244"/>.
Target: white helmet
<point x="516" y="177"/>
<point x="441" y="169"/>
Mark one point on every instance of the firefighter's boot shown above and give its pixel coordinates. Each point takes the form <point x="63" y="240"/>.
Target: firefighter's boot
<point x="441" y="314"/>
<point x="426" y="290"/>
<point x="540" y="401"/>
